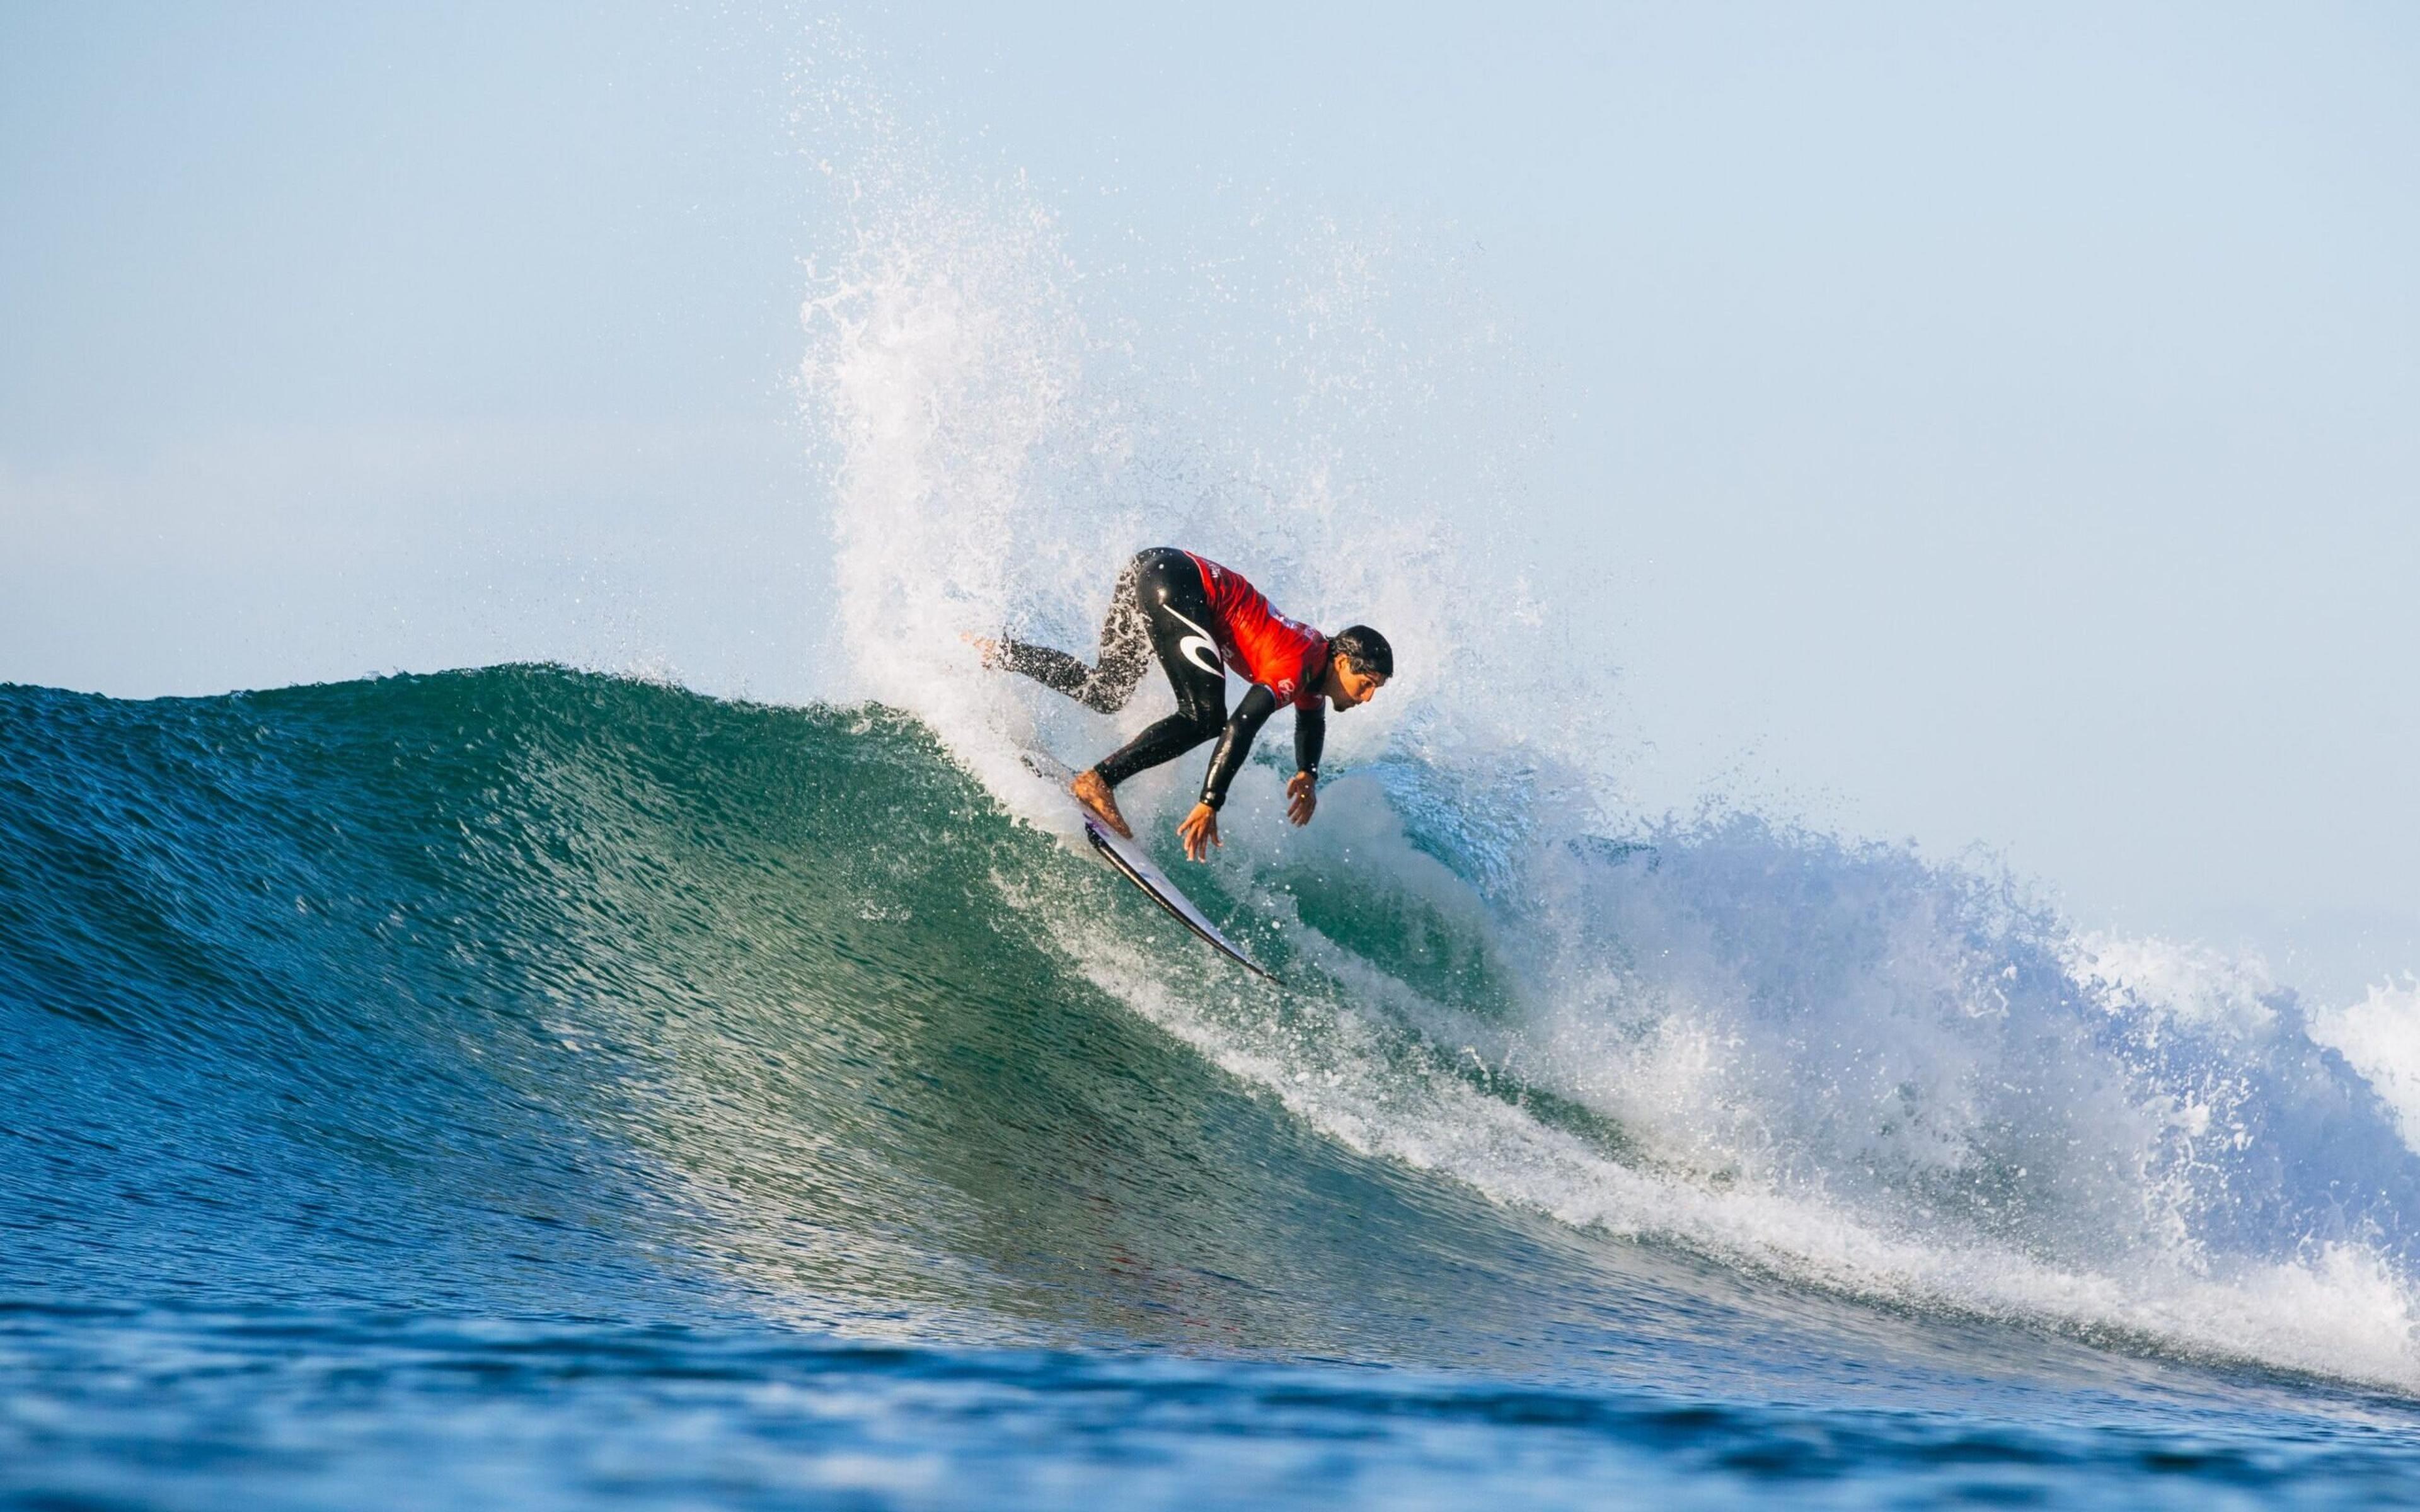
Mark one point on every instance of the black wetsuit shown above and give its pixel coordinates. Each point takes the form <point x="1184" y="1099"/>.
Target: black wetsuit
<point x="1159" y="609"/>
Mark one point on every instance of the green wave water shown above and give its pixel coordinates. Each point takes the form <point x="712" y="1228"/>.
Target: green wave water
<point x="594" y="977"/>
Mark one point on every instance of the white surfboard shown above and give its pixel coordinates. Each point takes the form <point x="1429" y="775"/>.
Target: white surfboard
<point x="1127" y="858"/>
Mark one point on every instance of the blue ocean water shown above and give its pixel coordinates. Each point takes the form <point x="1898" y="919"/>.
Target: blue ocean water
<point x="523" y="1087"/>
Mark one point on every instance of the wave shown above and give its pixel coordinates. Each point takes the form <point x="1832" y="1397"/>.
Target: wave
<point x="565" y="992"/>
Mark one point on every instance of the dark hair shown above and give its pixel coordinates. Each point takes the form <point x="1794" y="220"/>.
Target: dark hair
<point x="1364" y="648"/>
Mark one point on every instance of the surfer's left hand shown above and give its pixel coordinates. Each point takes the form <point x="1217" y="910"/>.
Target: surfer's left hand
<point x="1302" y="797"/>
<point x="1200" y="831"/>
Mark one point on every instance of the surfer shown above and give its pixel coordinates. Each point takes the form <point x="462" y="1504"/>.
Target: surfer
<point x="1191" y="613"/>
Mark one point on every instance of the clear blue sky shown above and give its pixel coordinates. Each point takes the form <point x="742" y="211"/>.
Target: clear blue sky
<point x="1988" y="425"/>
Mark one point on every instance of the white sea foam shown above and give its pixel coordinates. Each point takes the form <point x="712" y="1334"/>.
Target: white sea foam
<point x="1827" y="1060"/>
<point x="2381" y="1037"/>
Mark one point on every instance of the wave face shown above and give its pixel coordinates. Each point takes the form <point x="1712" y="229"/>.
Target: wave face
<point x="531" y="991"/>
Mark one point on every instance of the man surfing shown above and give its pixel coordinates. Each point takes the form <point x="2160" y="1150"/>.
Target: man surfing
<point x="1193" y="613"/>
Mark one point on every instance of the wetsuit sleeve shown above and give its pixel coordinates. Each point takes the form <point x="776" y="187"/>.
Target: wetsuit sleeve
<point x="1235" y="743"/>
<point x="1310" y="737"/>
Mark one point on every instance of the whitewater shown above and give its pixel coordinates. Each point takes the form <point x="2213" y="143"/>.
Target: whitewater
<point x="532" y="1085"/>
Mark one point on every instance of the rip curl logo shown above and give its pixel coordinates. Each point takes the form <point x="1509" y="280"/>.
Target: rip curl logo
<point x="1200" y="648"/>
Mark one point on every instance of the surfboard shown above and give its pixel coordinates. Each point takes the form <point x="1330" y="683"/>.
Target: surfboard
<point x="1137" y="868"/>
<point x="1128" y="860"/>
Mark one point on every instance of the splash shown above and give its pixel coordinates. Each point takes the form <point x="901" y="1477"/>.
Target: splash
<point x="1004" y="428"/>
<point x="2379" y="1037"/>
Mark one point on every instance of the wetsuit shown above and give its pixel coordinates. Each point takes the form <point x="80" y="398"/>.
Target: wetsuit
<point x="1193" y="613"/>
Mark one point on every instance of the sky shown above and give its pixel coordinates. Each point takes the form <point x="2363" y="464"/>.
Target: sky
<point x="1989" y="426"/>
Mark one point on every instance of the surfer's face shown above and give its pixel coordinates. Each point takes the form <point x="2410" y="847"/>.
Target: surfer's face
<point x="1351" y="686"/>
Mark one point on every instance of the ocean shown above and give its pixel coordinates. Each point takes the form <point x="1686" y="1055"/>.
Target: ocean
<point x="529" y="1087"/>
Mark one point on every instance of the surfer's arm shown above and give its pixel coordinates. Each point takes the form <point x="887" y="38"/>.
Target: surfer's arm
<point x="1235" y="743"/>
<point x="1199" y="829"/>
<point x="1310" y="735"/>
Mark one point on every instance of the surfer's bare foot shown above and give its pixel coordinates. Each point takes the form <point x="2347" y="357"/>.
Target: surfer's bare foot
<point x="1096" y="794"/>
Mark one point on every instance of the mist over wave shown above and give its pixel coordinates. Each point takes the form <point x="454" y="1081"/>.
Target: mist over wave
<point x="1836" y="1061"/>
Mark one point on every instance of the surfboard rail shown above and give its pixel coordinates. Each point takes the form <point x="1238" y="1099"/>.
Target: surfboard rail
<point x="1137" y="868"/>
<point x="1128" y="859"/>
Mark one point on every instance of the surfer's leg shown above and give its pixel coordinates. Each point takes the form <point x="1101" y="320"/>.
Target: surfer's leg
<point x="1175" y="611"/>
<point x="1125" y="643"/>
<point x="1054" y="670"/>
<point x="1163" y="741"/>
<point x="1125" y="650"/>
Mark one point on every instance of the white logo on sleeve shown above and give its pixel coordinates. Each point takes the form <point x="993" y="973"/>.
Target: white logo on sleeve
<point x="1200" y="648"/>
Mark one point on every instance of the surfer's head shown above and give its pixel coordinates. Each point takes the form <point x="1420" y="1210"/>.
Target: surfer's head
<point x="1359" y="662"/>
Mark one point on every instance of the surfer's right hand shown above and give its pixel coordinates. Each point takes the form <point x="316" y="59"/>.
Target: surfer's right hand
<point x="1200" y="831"/>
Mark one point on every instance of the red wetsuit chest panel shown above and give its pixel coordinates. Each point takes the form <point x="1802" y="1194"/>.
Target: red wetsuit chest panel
<point x="1260" y="643"/>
